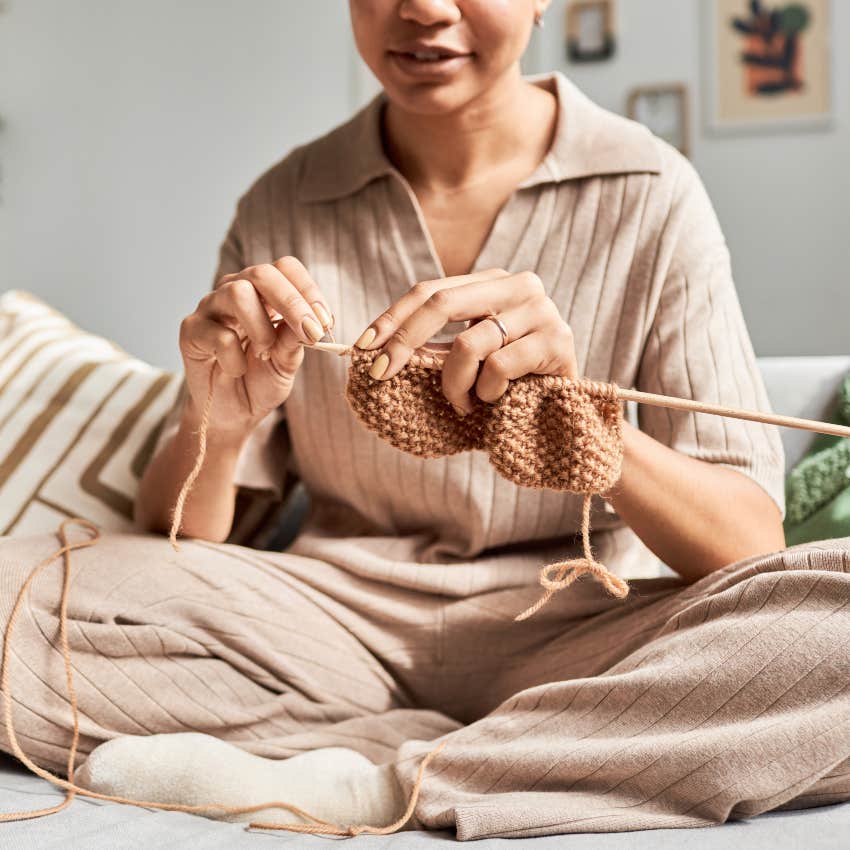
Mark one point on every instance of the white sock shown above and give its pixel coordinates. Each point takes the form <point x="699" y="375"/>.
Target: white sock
<point x="335" y="784"/>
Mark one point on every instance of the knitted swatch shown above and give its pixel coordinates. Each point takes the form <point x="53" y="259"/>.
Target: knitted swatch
<point x="544" y="432"/>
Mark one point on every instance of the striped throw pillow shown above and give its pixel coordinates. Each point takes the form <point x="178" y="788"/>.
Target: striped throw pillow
<point x="79" y="421"/>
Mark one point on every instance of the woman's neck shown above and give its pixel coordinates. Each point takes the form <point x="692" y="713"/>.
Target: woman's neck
<point x="513" y="121"/>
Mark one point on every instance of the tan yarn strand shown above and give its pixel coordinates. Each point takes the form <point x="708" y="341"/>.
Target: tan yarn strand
<point x="568" y="571"/>
<point x="177" y="513"/>
<point x="317" y="826"/>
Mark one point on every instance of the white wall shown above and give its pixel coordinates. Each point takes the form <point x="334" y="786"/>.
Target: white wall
<point x="129" y="128"/>
<point x="783" y="199"/>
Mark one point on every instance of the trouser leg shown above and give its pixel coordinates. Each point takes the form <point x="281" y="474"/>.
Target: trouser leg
<point x="216" y="638"/>
<point x="722" y="699"/>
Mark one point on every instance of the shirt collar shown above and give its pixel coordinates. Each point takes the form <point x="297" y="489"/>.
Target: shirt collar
<point x="589" y="141"/>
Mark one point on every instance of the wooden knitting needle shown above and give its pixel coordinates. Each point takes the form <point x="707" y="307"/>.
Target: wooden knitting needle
<point x="734" y="413"/>
<point x="689" y="404"/>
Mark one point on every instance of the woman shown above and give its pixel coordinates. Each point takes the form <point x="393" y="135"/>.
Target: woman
<point x="466" y="191"/>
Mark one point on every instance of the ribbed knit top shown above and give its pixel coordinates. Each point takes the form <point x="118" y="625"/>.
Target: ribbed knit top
<point x="621" y="231"/>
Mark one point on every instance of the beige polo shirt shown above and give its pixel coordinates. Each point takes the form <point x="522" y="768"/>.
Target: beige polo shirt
<point x="621" y="231"/>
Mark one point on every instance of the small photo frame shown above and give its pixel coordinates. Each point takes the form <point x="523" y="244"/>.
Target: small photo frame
<point x="590" y="30"/>
<point x="665" y="109"/>
<point x="769" y="65"/>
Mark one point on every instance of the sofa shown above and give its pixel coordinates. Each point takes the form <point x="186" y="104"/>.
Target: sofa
<point x="801" y="386"/>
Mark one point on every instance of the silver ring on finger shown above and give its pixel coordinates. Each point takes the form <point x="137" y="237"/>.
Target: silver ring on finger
<point x="500" y="325"/>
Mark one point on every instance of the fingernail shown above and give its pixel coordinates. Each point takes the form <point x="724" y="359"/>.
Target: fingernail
<point x="366" y="338"/>
<point x="312" y="328"/>
<point x="322" y="313"/>
<point x="459" y="411"/>
<point x="379" y="366"/>
<point x="264" y="355"/>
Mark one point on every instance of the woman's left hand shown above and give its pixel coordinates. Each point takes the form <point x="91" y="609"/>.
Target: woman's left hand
<point x="539" y="340"/>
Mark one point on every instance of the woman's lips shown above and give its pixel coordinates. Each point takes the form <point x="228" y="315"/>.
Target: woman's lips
<point x="429" y="63"/>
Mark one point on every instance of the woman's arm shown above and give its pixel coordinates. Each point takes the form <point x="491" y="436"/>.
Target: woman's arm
<point x="253" y="363"/>
<point x="695" y="516"/>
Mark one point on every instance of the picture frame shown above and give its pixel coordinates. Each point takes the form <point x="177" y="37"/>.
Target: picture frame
<point x="665" y="109"/>
<point x="591" y="30"/>
<point x="769" y="66"/>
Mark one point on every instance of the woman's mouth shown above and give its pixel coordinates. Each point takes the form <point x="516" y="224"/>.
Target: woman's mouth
<point x="424" y="62"/>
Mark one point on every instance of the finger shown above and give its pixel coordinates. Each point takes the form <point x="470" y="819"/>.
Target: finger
<point x="458" y="304"/>
<point x="202" y="338"/>
<point x="278" y="291"/>
<point x="534" y="354"/>
<point x="386" y="324"/>
<point x="238" y="301"/>
<point x="296" y="273"/>
<point x="286" y="354"/>
<point x="474" y="345"/>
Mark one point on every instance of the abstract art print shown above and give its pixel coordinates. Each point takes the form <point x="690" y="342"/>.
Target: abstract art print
<point x="769" y="64"/>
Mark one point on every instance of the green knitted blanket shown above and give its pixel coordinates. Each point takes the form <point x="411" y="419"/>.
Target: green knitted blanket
<point x="817" y="490"/>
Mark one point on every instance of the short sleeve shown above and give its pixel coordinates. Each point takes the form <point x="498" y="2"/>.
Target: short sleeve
<point x="698" y="347"/>
<point x="263" y="461"/>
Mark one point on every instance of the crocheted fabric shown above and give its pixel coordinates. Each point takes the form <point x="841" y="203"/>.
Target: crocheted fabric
<point x="545" y="431"/>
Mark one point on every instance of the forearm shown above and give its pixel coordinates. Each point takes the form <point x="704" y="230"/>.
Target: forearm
<point x="695" y="516"/>
<point x="208" y="510"/>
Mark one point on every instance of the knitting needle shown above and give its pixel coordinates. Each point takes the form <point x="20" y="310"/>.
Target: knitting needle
<point x="733" y="413"/>
<point x="335" y="347"/>
<point x="689" y="404"/>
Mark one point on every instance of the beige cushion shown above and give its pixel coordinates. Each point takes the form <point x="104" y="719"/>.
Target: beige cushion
<point x="78" y="421"/>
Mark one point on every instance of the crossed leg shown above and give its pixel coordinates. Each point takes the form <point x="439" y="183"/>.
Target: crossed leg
<point x="221" y="643"/>
<point x="681" y="707"/>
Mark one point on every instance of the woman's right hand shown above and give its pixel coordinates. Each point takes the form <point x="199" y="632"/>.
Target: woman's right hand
<point x="233" y="329"/>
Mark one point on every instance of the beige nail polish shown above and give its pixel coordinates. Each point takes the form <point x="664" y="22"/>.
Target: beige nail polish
<point x="322" y="313"/>
<point x="459" y="411"/>
<point x="366" y="338"/>
<point x="312" y="328"/>
<point x="379" y="366"/>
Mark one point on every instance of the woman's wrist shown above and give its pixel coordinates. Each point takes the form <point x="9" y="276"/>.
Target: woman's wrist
<point x="223" y="438"/>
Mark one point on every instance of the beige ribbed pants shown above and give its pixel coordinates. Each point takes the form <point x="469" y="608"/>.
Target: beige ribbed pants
<point x="680" y="706"/>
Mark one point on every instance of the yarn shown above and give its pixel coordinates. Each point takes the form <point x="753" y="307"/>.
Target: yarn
<point x="544" y="432"/>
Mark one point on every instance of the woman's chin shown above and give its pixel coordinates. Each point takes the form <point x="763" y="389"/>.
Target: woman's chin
<point x="429" y="98"/>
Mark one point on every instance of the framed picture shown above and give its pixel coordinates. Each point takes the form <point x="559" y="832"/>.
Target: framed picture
<point x="590" y="30"/>
<point x="769" y="65"/>
<point x="665" y="109"/>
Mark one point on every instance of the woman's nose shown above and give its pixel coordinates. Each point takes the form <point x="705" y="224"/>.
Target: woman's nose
<point x="429" y="13"/>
